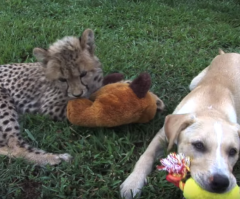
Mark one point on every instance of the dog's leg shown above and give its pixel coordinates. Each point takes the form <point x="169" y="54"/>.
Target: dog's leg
<point x="133" y="184"/>
<point x="197" y="79"/>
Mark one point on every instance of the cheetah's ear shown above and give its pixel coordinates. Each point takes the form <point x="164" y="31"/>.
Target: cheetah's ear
<point x="40" y="54"/>
<point x="87" y="41"/>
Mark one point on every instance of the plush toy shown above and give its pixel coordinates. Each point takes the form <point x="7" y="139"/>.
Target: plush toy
<point x="178" y="167"/>
<point x="116" y="103"/>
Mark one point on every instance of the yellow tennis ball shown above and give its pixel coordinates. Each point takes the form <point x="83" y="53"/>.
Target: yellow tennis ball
<point x="193" y="191"/>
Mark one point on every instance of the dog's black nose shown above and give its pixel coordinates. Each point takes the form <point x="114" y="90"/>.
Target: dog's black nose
<point x="219" y="183"/>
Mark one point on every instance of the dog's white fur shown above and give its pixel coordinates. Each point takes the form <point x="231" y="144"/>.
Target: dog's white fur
<point x="204" y="126"/>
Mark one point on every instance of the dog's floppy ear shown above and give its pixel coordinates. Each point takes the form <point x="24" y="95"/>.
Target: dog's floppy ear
<point x="174" y="124"/>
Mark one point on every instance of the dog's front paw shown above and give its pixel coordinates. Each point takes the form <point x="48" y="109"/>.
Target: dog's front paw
<point x="132" y="186"/>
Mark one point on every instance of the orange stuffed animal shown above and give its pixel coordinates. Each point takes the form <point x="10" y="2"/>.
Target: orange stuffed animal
<point x="117" y="103"/>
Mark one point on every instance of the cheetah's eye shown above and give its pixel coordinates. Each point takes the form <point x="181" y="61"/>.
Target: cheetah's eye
<point x="84" y="73"/>
<point x="62" y="79"/>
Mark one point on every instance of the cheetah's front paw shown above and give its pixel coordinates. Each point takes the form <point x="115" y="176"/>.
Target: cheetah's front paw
<point x="54" y="159"/>
<point x="66" y="157"/>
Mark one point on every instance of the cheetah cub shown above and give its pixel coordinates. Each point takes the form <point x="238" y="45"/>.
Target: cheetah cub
<point x="68" y="69"/>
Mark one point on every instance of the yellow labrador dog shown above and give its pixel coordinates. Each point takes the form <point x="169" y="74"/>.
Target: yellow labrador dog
<point x="204" y="126"/>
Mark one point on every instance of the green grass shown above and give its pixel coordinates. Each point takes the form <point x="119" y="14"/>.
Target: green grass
<point x="172" y="40"/>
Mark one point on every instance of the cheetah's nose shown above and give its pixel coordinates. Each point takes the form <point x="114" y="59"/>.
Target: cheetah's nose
<point x="79" y="95"/>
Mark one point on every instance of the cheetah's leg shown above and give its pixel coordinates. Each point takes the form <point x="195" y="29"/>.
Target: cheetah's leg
<point x="11" y="142"/>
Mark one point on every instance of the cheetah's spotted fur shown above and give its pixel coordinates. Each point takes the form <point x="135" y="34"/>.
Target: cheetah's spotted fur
<point x="68" y="69"/>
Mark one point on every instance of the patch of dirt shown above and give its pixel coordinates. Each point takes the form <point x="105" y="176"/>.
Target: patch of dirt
<point x="30" y="189"/>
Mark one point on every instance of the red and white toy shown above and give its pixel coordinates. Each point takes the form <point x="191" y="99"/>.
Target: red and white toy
<point x="178" y="166"/>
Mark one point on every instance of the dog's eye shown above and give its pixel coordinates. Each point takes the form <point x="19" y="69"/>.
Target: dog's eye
<point x="232" y="152"/>
<point x="199" y="146"/>
<point x="84" y="73"/>
<point x="62" y="79"/>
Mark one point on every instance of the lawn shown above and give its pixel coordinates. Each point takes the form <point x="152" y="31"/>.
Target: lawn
<point x="171" y="40"/>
